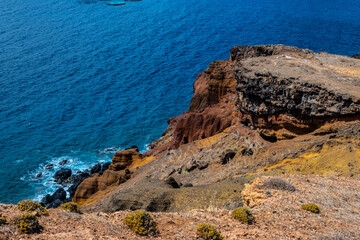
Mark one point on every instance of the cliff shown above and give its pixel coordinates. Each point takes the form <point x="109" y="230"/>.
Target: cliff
<point x="264" y="107"/>
<point x="267" y="112"/>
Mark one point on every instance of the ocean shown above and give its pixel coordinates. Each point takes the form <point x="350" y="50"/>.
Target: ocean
<point x="81" y="79"/>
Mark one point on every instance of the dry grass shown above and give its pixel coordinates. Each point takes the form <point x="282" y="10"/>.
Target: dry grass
<point x="277" y="217"/>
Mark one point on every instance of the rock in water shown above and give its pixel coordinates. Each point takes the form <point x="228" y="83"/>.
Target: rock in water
<point x="96" y="168"/>
<point x="61" y="175"/>
<point x="63" y="162"/>
<point x="357" y="56"/>
<point x="105" y="166"/>
<point x="49" y="167"/>
<point x="54" y="200"/>
<point x="59" y="194"/>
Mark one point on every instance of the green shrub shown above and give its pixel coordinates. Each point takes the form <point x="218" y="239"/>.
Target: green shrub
<point x="27" y="223"/>
<point x="243" y="215"/>
<point x="141" y="223"/>
<point x="208" y="232"/>
<point x="312" y="207"/>
<point x="32" y="206"/>
<point x="70" y="206"/>
<point x="2" y="220"/>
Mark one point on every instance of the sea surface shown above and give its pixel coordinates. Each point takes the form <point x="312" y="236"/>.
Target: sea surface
<point x="81" y="79"/>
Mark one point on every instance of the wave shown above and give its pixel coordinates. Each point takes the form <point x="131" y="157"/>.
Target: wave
<point x="41" y="178"/>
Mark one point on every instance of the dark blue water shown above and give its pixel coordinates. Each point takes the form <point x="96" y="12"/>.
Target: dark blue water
<point x="80" y="77"/>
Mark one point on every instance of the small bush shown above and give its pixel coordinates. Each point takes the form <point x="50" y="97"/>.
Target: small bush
<point x="2" y="220"/>
<point x="243" y="215"/>
<point x="141" y="223"/>
<point x="32" y="206"/>
<point x="277" y="183"/>
<point x="70" y="206"/>
<point x="312" y="207"/>
<point x="208" y="232"/>
<point x="27" y="223"/>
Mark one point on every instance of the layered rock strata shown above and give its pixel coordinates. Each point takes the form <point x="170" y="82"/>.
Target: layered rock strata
<point x="117" y="173"/>
<point x="267" y="108"/>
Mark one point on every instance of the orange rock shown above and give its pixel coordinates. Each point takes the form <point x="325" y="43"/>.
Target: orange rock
<point x="115" y="175"/>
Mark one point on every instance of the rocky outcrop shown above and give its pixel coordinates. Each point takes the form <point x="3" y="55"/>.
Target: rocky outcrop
<point x="117" y="173"/>
<point x="211" y="109"/>
<point x="293" y="89"/>
<point x="241" y="109"/>
<point x="357" y="56"/>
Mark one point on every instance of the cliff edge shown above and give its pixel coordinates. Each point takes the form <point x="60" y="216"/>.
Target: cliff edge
<point x="267" y="115"/>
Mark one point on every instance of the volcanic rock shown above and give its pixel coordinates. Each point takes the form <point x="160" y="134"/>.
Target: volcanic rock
<point x="49" y="167"/>
<point x="227" y="156"/>
<point x="96" y="168"/>
<point x="59" y="194"/>
<point x="357" y="56"/>
<point x="63" y="162"/>
<point x="115" y="175"/>
<point x="61" y="175"/>
<point x="172" y="182"/>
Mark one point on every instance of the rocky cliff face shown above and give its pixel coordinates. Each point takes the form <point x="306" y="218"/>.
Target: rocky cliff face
<point x="293" y="89"/>
<point x="117" y="173"/>
<point x="267" y="109"/>
<point x="211" y="109"/>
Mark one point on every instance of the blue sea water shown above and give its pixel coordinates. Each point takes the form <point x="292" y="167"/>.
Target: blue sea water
<point x="78" y="77"/>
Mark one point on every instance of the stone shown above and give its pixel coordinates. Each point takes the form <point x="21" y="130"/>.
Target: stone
<point x="105" y="166"/>
<point x="63" y="162"/>
<point x="45" y="201"/>
<point x="357" y="56"/>
<point x="227" y="156"/>
<point x="96" y="168"/>
<point x="172" y="182"/>
<point x="61" y="175"/>
<point x="59" y="194"/>
<point x="55" y="204"/>
<point x="39" y="175"/>
<point x="49" y="167"/>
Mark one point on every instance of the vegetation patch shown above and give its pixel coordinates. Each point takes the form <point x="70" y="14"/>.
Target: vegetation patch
<point x="141" y="223"/>
<point x="2" y="220"/>
<point x="312" y="207"/>
<point x="243" y="215"/>
<point x="207" y="232"/>
<point x="277" y="183"/>
<point x="70" y="206"/>
<point x="32" y="206"/>
<point x="27" y="223"/>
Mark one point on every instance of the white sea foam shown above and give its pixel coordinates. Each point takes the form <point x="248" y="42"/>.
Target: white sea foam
<point x="76" y="161"/>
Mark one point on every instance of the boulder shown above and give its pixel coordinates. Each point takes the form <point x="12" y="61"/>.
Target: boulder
<point x="63" y="162"/>
<point x="96" y="168"/>
<point x="49" y="167"/>
<point x="227" y="156"/>
<point x="59" y="194"/>
<point x="39" y="175"/>
<point x="172" y="182"/>
<point x="357" y="56"/>
<point x="45" y="201"/>
<point x="55" y="204"/>
<point x="105" y="166"/>
<point x="61" y="175"/>
<point x="114" y="174"/>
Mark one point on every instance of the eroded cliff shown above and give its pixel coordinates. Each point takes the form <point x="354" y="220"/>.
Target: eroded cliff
<point x="265" y="110"/>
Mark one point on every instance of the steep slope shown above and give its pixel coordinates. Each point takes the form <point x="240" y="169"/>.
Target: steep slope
<point x="266" y="110"/>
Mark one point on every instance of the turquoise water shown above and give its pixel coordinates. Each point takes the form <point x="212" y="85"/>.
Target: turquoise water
<point x="78" y="77"/>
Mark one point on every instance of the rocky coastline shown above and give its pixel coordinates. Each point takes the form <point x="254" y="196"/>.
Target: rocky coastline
<point x="269" y="112"/>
